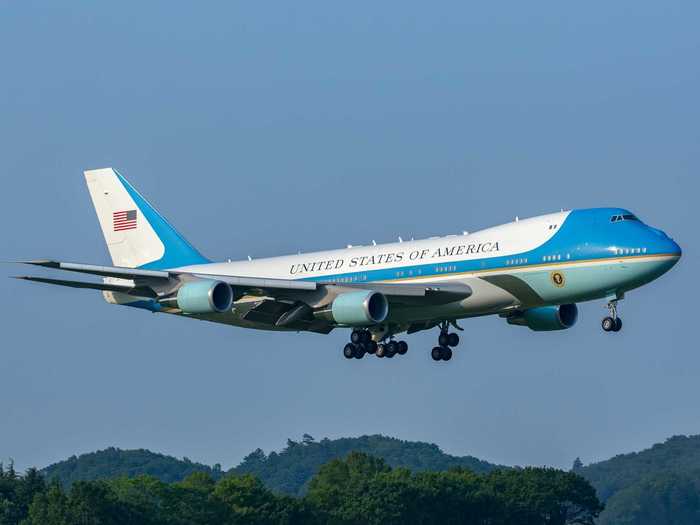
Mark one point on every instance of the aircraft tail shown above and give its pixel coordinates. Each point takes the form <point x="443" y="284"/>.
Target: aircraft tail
<point x="137" y="236"/>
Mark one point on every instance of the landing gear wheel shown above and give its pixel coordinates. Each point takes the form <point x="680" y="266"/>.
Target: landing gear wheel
<point x="443" y="339"/>
<point x="452" y="339"/>
<point x="609" y="324"/>
<point x="359" y="351"/>
<point x="446" y="353"/>
<point x="618" y="325"/>
<point x="391" y="349"/>
<point x="372" y="347"/>
<point x="436" y="353"/>
<point x="402" y="347"/>
<point x="349" y="351"/>
<point x="356" y="336"/>
<point x="381" y="350"/>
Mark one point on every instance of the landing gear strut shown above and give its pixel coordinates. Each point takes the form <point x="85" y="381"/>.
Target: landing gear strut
<point x="443" y="352"/>
<point x="612" y="323"/>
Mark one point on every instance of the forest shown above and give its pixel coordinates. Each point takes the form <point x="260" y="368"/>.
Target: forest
<point x="356" y="489"/>
<point x="657" y="485"/>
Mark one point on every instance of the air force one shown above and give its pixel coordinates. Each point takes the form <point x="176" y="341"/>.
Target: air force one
<point x="530" y="272"/>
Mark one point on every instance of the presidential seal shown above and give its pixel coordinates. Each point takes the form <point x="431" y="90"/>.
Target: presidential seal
<point x="557" y="279"/>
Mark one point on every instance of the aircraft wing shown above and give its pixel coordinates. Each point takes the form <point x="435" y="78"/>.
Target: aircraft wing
<point x="151" y="283"/>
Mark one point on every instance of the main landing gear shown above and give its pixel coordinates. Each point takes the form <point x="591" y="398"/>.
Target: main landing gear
<point x="443" y="352"/>
<point x="361" y="343"/>
<point x="612" y="323"/>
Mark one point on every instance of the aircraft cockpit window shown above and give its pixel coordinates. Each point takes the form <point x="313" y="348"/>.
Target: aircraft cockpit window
<point x="626" y="217"/>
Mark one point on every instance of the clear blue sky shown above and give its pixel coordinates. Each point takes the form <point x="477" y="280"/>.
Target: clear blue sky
<point x="266" y="128"/>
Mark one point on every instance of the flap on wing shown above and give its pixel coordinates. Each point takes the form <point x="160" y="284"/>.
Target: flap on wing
<point x="409" y="293"/>
<point x="260" y="283"/>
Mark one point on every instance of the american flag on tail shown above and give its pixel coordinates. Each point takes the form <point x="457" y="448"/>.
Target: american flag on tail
<point x="124" y="220"/>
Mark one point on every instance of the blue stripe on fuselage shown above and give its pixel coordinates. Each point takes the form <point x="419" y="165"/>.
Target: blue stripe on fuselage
<point x="585" y="235"/>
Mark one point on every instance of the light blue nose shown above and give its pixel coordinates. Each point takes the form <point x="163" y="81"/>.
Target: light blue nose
<point x="675" y="249"/>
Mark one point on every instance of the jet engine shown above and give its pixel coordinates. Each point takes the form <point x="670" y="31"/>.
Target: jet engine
<point x="204" y="297"/>
<point x="362" y="308"/>
<point x="546" y="318"/>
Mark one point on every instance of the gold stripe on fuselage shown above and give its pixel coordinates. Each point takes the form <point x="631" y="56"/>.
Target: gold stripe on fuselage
<point x="530" y="267"/>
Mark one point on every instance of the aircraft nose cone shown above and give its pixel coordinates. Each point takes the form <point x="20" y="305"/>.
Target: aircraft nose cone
<point x="675" y="249"/>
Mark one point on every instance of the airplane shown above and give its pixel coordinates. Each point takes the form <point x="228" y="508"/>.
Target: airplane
<point x="530" y="272"/>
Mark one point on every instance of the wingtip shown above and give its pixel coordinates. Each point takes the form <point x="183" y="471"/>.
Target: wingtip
<point x="48" y="263"/>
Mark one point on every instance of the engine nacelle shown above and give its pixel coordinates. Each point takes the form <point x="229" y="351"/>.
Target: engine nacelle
<point x="545" y="318"/>
<point x="362" y="308"/>
<point x="204" y="297"/>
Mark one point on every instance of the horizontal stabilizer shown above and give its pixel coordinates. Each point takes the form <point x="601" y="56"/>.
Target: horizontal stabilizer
<point x="130" y="290"/>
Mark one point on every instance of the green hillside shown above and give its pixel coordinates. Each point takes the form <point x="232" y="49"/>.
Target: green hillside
<point x="657" y="485"/>
<point x="290" y="470"/>
<point x="114" y="463"/>
<point x="287" y="472"/>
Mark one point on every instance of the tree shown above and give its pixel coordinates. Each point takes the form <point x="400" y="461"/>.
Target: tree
<point x="249" y="502"/>
<point x="542" y="495"/>
<point x="50" y="508"/>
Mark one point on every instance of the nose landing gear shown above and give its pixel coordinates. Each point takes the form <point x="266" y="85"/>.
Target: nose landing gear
<point x="612" y="323"/>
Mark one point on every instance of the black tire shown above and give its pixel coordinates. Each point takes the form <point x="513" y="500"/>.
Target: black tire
<point x="608" y="324"/>
<point x="443" y="338"/>
<point x="349" y="351"/>
<point x="391" y="349"/>
<point x="372" y="347"/>
<point x="446" y="353"/>
<point x="381" y="350"/>
<point x="356" y="337"/>
<point x="365" y="336"/>
<point x="359" y="351"/>
<point x="618" y="325"/>
<point x="436" y="353"/>
<point x="452" y="339"/>
<point x="402" y="347"/>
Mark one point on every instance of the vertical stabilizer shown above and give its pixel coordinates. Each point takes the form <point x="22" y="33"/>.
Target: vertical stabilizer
<point x="137" y="236"/>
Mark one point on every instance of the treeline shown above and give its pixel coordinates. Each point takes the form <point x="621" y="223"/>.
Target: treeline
<point x="357" y="489"/>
